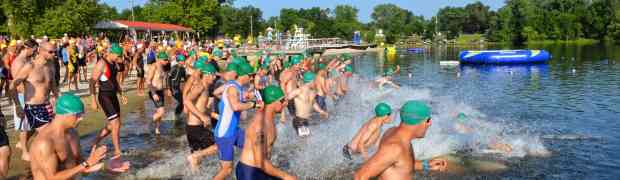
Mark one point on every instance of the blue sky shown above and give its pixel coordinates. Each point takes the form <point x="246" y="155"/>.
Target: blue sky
<point x="427" y="8"/>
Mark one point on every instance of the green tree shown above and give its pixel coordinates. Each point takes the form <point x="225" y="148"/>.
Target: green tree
<point x="452" y="20"/>
<point x="391" y="19"/>
<point x="477" y="19"/>
<point x="238" y="21"/>
<point x="345" y="21"/>
<point x="73" y="16"/>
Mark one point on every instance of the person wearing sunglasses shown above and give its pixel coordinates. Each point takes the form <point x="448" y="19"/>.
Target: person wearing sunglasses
<point x="395" y="158"/>
<point x="37" y="78"/>
<point x="368" y="135"/>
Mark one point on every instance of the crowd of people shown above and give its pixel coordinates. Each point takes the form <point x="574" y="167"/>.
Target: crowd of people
<point x="214" y="89"/>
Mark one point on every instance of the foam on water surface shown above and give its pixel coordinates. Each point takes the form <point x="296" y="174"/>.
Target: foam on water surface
<point x="319" y="155"/>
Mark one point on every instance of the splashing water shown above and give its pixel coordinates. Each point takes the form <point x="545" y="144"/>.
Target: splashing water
<point x="319" y="155"/>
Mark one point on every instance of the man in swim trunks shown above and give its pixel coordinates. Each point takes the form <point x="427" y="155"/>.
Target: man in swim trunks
<point x="288" y="80"/>
<point x="255" y="162"/>
<point x="104" y="75"/>
<point x="395" y="158"/>
<point x="322" y="87"/>
<point x="54" y="157"/>
<point x="19" y="120"/>
<point x="304" y="98"/>
<point x="227" y="132"/>
<point x="199" y="124"/>
<point x="155" y="80"/>
<point x="38" y="81"/>
<point x="369" y="134"/>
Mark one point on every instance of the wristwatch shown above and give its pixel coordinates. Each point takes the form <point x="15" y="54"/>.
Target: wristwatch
<point x="85" y="164"/>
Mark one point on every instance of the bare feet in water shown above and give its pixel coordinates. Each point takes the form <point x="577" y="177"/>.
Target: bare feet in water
<point x="193" y="163"/>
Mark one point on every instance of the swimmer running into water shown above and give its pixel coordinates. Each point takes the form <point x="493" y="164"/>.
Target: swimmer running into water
<point x="304" y="98"/>
<point x="199" y="124"/>
<point x="387" y="78"/>
<point x="462" y="125"/>
<point x="255" y="162"/>
<point x="369" y="134"/>
<point x="395" y="158"/>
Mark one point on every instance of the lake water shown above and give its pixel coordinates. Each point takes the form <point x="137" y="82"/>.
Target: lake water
<point x="561" y="120"/>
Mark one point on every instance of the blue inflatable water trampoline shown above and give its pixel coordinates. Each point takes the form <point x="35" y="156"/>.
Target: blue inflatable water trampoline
<point x="504" y="57"/>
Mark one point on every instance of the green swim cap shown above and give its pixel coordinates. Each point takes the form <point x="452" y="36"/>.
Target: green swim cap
<point x="267" y="60"/>
<point x="217" y="52"/>
<point x="192" y="53"/>
<point x="203" y="58"/>
<point x="244" y="69"/>
<point x="208" y="69"/>
<point x="180" y="58"/>
<point x="116" y="49"/>
<point x="347" y="56"/>
<point x="265" y="65"/>
<point x="238" y="60"/>
<point x="413" y="112"/>
<point x="272" y="93"/>
<point x="296" y="59"/>
<point x="204" y="67"/>
<point x="322" y="66"/>
<point x="69" y="104"/>
<point x="162" y="56"/>
<point x="232" y="67"/>
<point x="462" y="117"/>
<point x="233" y="52"/>
<point x="382" y="109"/>
<point x="309" y="77"/>
<point x="348" y="68"/>
<point x="199" y="64"/>
<point x="389" y="71"/>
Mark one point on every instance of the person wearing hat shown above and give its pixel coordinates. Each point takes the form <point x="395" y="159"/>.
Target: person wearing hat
<point x="387" y="77"/>
<point x="464" y="127"/>
<point x="304" y="98"/>
<point x="155" y="78"/>
<point x="53" y="159"/>
<point x="263" y="78"/>
<point x="342" y="87"/>
<point x="228" y="134"/>
<point x="36" y="77"/>
<point x="255" y="161"/>
<point x="395" y="158"/>
<point x="104" y="76"/>
<point x="176" y="78"/>
<point x="368" y="135"/>
<point x="288" y="81"/>
<point x="199" y="124"/>
<point x="322" y="87"/>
